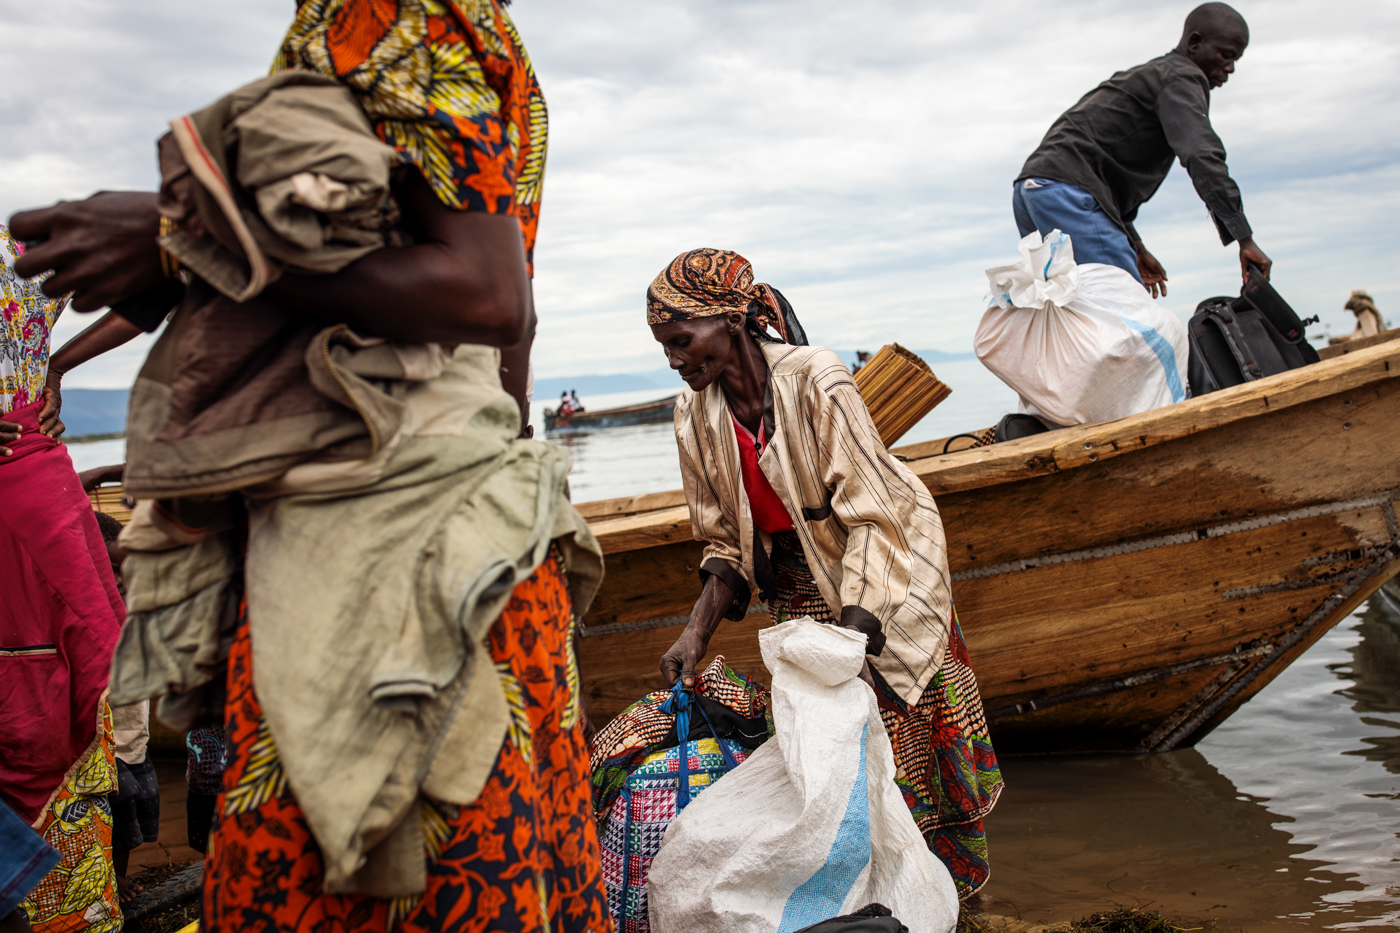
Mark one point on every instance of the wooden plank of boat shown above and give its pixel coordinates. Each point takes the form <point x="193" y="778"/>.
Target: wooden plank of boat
<point x="656" y="412"/>
<point x="1122" y="586"/>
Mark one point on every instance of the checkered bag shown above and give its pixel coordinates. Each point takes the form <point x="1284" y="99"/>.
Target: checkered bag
<point x="653" y="794"/>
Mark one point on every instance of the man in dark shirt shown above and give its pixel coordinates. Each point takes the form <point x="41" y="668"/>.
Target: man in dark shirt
<point x="1111" y="151"/>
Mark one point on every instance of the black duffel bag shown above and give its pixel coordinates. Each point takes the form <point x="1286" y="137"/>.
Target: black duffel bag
<point x="872" y="918"/>
<point x="1235" y="340"/>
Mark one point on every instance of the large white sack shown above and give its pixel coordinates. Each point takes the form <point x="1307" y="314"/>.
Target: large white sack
<point x="812" y="825"/>
<point x="1079" y="343"/>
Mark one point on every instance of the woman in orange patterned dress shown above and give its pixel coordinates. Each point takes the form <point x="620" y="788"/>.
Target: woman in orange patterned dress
<point x="448" y="85"/>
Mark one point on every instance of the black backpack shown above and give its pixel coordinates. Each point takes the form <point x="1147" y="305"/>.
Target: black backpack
<point x="1235" y="340"/>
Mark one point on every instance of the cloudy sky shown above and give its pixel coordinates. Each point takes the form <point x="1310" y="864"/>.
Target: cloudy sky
<point x="860" y="154"/>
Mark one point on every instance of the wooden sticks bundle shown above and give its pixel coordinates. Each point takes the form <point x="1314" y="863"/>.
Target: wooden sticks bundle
<point x="899" y="389"/>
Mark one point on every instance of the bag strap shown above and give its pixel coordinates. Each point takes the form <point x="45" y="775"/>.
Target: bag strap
<point x="1224" y="318"/>
<point x="679" y="704"/>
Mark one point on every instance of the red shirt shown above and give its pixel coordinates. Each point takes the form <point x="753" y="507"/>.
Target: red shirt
<point x="768" y="510"/>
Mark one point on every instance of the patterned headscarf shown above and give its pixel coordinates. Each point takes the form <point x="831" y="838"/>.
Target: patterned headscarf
<point x="706" y="282"/>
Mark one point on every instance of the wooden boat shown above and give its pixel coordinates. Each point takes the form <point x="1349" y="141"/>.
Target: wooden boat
<point x="655" y="412"/>
<point x="1122" y="586"/>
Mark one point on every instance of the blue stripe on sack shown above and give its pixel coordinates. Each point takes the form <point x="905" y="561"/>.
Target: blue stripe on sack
<point x="820" y="897"/>
<point x="1165" y="355"/>
<point x="1054" y="248"/>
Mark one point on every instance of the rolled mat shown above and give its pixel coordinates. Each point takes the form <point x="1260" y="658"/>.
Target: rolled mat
<point x="899" y="390"/>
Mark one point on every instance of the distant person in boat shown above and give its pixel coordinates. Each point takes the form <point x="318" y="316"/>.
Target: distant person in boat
<point x="404" y="722"/>
<point x="793" y="493"/>
<point x="566" y="405"/>
<point x="60" y="614"/>
<point x="1109" y="153"/>
<point x="1369" y="322"/>
<point x="573" y="400"/>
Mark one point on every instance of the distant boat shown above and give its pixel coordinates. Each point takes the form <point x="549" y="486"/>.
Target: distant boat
<point x="657" y="412"/>
<point x="1122" y="586"/>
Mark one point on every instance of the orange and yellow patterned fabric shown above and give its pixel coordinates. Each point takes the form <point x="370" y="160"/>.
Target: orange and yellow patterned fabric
<point x="523" y="857"/>
<point x="81" y="891"/>
<point x="448" y="84"/>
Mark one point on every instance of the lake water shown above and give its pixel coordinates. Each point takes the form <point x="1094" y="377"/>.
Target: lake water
<point x="1286" y="818"/>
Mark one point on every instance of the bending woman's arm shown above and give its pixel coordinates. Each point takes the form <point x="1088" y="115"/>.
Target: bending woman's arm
<point x="725" y="592"/>
<point x="685" y="655"/>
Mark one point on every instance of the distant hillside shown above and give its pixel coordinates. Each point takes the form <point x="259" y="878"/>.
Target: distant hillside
<point x="103" y="411"/>
<point x="94" y="411"/>
<point x="547" y="390"/>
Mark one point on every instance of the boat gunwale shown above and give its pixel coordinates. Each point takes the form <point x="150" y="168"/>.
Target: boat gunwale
<point x="1059" y="450"/>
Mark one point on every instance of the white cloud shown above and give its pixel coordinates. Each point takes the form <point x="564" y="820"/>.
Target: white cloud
<point x="861" y="155"/>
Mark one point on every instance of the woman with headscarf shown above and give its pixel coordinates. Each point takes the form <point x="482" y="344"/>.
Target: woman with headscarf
<point x="59" y="616"/>
<point x="793" y="493"/>
<point x="455" y="820"/>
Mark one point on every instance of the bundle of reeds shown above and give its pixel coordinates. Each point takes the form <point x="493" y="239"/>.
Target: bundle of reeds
<point x="110" y="499"/>
<point x="899" y="389"/>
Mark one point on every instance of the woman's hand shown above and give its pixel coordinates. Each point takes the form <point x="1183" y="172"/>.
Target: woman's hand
<point x="685" y="655"/>
<point x="49" y="423"/>
<point x="102" y="249"/>
<point x="9" y="433"/>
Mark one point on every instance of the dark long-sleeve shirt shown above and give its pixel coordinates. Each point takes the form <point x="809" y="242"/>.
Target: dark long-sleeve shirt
<point x="1118" y="143"/>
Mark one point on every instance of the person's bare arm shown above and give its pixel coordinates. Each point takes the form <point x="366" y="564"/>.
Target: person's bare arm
<point x="515" y="373"/>
<point x="689" y="650"/>
<point x="111" y="331"/>
<point x="463" y="281"/>
<point x="95" y="477"/>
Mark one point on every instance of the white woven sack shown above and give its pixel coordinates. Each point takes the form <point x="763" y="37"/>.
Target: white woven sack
<point x="812" y="825"/>
<point x="1080" y="343"/>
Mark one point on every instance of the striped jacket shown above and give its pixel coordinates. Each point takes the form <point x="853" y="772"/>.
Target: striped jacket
<point x="870" y="530"/>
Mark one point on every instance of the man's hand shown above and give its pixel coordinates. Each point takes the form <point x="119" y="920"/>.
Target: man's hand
<point x="1154" y="277"/>
<point x="49" y="423"/>
<point x="680" y="662"/>
<point x="9" y="433"/>
<point x="1252" y="254"/>
<point x="101" y="249"/>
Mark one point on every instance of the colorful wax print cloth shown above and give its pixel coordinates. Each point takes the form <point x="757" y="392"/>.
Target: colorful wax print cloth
<point x="206" y="757"/>
<point x="80" y="893"/>
<point x="946" y="767"/>
<point x="523" y="857"/>
<point x="647" y="804"/>
<point x="27" y="317"/>
<point x="644" y="728"/>
<point x="60" y="617"/>
<point x="448" y="84"/>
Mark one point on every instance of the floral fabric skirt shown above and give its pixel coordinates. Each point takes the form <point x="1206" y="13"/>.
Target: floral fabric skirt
<point x="523" y="857"/>
<point x="945" y="764"/>
<point x="81" y="891"/>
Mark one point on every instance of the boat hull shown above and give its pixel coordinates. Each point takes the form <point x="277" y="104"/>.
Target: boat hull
<point x="1121" y="587"/>
<point x="658" y="412"/>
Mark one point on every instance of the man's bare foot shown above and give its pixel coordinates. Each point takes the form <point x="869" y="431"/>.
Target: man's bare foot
<point x="128" y="889"/>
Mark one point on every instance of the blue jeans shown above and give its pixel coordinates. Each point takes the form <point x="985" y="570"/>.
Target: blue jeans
<point x="1055" y="205"/>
